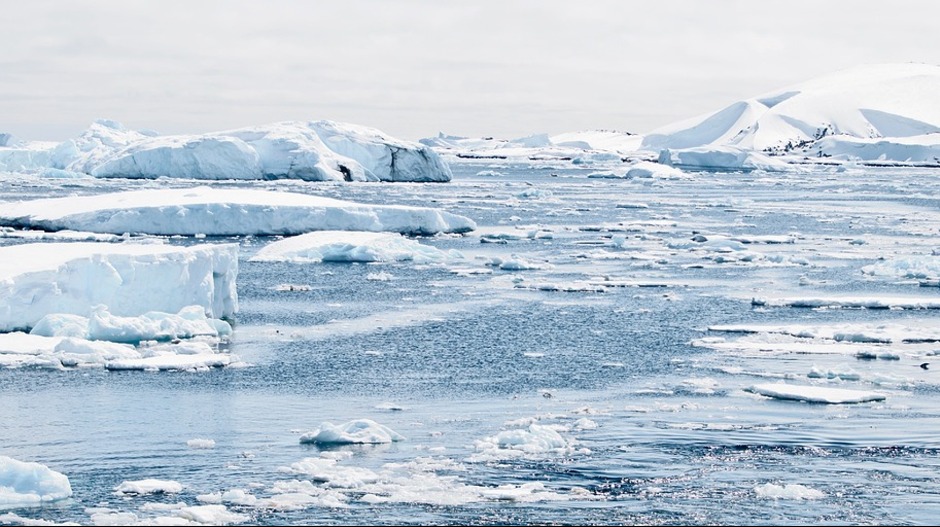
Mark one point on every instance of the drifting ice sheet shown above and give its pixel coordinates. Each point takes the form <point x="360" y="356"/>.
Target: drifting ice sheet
<point x="71" y="278"/>
<point x="815" y="394"/>
<point x="348" y="246"/>
<point x="224" y="212"/>
<point x="25" y="484"/>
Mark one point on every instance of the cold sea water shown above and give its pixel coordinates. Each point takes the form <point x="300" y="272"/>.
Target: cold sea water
<point x="587" y="358"/>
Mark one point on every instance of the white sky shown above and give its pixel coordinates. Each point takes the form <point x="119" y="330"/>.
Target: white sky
<point x="412" y="68"/>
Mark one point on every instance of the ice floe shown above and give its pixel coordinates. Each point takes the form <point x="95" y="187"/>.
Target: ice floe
<point x="191" y="321"/>
<point x="224" y="212"/>
<point x="350" y="246"/>
<point x="28" y="484"/>
<point x="535" y="440"/>
<point x="791" y="491"/>
<point x="426" y="481"/>
<point x="149" y="486"/>
<point x="360" y="431"/>
<point x="815" y="394"/>
<point x="848" y="302"/>
<point x="42" y="279"/>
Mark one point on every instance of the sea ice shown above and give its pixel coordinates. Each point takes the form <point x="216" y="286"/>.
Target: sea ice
<point x="26" y="484"/>
<point x="224" y="212"/>
<point x="350" y="246"/>
<point x="792" y="491"/>
<point x="360" y="431"/>
<point x="39" y="279"/>
<point x="815" y="394"/>
<point x="149" y="486"/>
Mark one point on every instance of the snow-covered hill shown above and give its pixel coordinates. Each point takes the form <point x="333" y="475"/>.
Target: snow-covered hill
<point x="888" y="112"/>
<point x="315" y="151"/>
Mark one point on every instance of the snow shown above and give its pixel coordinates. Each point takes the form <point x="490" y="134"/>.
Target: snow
<point x="349" y="246"/>
<point x="815" y="394"/>
<point x="316" y="151"/>
<point x="792" y="491"/>
<point x="42" y="279"/>
<point x="360" y="431"/>
<point x="149" y="486"/>
<point x="27" y="484"/>
<point x="224" y="212"/>
<point x="884" y="112"/>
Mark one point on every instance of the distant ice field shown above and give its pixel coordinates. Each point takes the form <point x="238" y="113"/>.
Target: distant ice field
<point x="605" y="351"/>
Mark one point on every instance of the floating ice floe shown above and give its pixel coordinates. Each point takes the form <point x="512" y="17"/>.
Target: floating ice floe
<point x="648" y="169"/>
<point x="42" y="279"/>
<point x="924" y="267"/>
<point x="200" y="443"/>
<point x="360" y="431"/>
<point x="792" y="491"/>
<point x="815" y="394"/>
<point x="350" y="246"/>
<point x="534" y="440"/>
<point x="224" y="212"/>
<point x="149" y="486"/>
<point x="26" y="484"/>
<point x="845" y="302"/>
<point x="426" y="481"/>
<point x="317" y="151"/>
<point x="191" y="321"/>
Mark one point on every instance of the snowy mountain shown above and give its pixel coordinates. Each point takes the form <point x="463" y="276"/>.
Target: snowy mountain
<point x="887" y="112"/>
<point x="314" y="151"/>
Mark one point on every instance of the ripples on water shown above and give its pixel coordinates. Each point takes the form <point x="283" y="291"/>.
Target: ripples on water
<point x="658" y="431"/>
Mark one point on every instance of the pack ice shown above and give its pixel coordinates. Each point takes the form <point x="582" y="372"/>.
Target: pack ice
<point x="224" y="212"/>
<point x="42" y="279"/>
<point x="314" y="151"/>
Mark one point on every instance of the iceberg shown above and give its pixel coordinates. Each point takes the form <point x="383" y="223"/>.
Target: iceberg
<point x="24" y="484"/>
<point x="349" y="246"/>
<point x="313" y="151"/>
<point x="40" y="279"/>
<point x="224" y="212"/>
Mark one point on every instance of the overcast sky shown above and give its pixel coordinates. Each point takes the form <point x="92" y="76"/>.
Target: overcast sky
<point x="413" y="68"/>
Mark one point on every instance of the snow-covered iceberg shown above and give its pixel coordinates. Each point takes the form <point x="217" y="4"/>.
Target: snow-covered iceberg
<point x="24" y="484"/>
<point x="884" y="113"/>
<point x="224" y="212"/>
<point x="349" y="246"/>
<point x="40" y="279"/>
<point x="314" y="151"/>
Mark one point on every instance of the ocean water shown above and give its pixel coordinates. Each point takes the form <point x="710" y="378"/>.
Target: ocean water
<point x="598" y="387"/>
